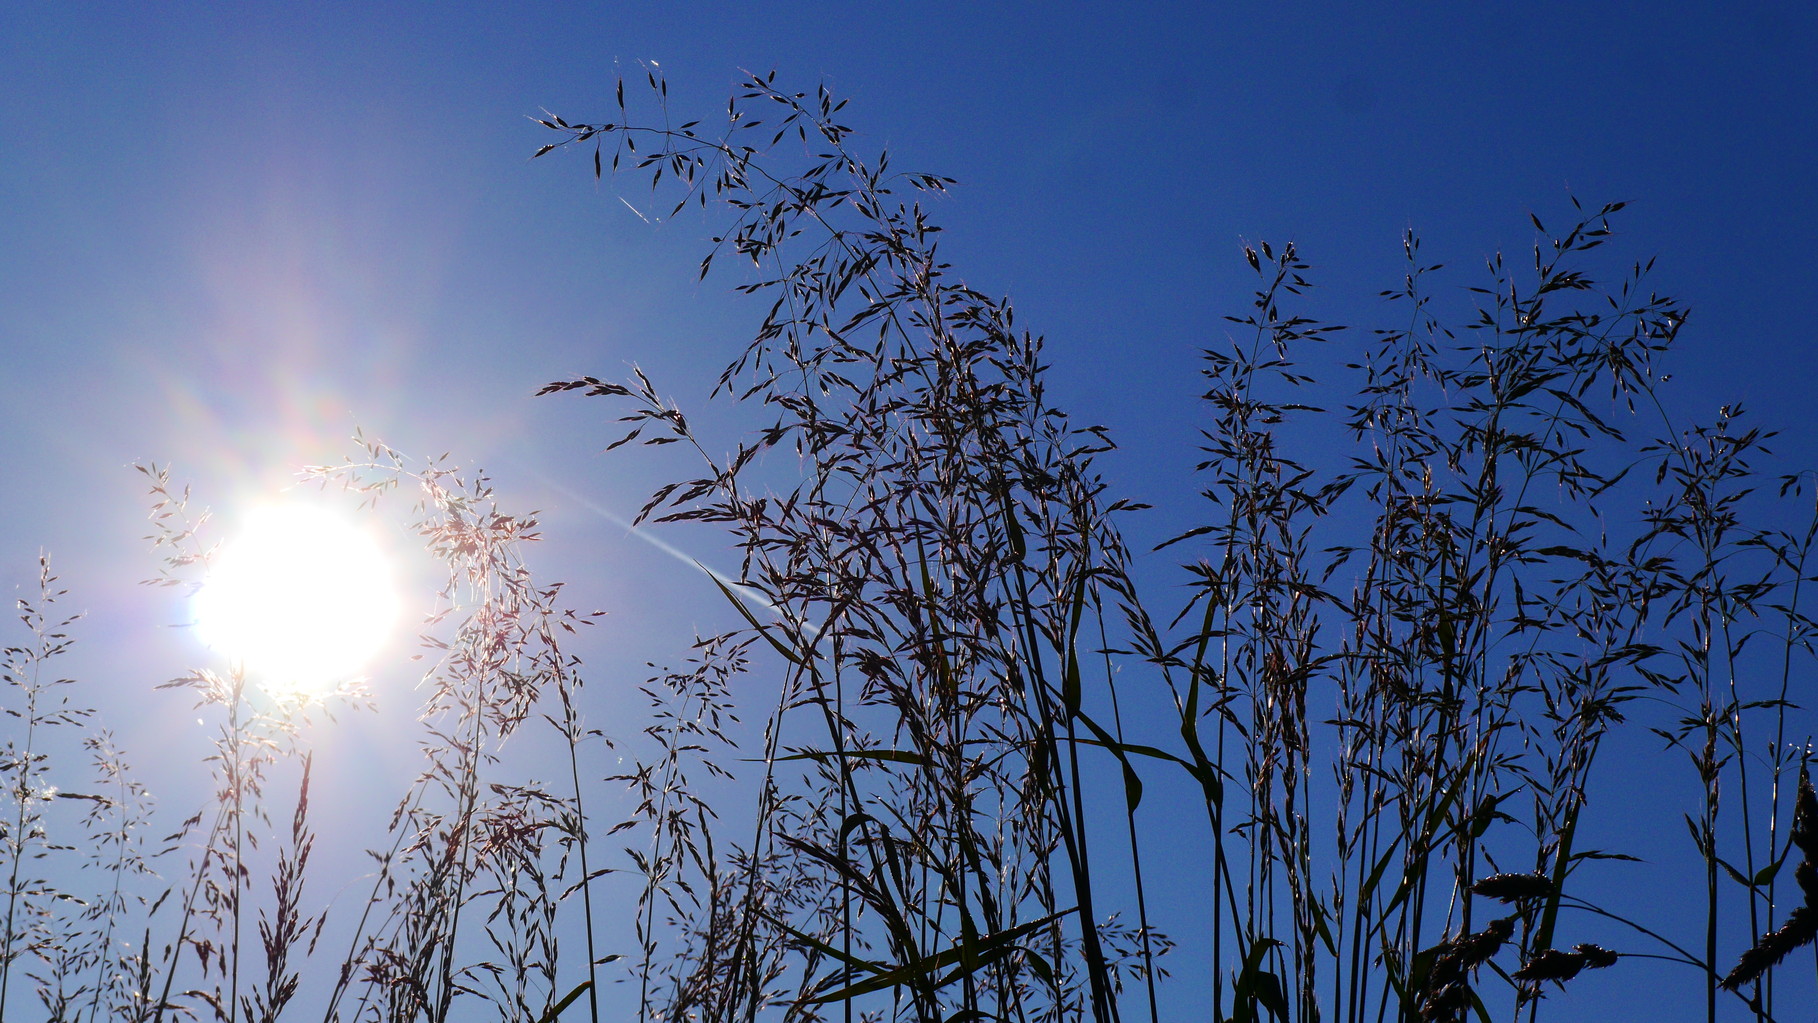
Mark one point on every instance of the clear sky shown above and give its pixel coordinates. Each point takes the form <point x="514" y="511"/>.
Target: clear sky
<point x="230" y="234"/>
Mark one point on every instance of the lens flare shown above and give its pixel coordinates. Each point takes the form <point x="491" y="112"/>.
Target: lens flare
<point x="301" y="599"/>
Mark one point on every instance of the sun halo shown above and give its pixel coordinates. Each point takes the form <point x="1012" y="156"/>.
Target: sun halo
<point x="300" y="600"/>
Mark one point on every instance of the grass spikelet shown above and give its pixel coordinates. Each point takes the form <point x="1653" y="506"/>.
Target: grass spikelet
<point x="1448" y="985"/>
<point x="1801" y="925"/>
<point x="1509" y="888"/>
<point x="1551" y="964"/>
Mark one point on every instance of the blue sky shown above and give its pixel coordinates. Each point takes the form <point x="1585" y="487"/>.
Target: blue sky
<point x="217" y="216"/>
<point x="231" y="234"/>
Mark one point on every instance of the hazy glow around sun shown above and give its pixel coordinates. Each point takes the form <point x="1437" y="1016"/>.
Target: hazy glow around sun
<point x="301" y="599"/>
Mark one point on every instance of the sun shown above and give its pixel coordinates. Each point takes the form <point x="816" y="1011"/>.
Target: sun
<point x="300" y="600"/>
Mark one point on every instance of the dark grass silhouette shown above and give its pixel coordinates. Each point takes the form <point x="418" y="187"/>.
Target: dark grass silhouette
<point x="1433" y="570"/>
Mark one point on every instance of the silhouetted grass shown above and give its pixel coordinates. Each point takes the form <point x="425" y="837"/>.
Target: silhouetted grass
<point x="1364" y="692"/>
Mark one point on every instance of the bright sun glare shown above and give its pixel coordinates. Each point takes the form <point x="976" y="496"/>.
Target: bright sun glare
<point x="302" y="599"/>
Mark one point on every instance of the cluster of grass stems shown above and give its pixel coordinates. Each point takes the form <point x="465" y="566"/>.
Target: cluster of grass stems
<point x="1448" y="588"/>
